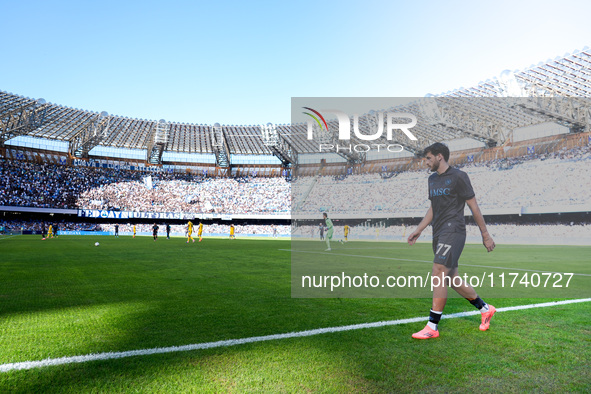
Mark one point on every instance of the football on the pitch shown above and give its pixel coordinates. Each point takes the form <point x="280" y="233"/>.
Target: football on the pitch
<point x="96" y="244"/>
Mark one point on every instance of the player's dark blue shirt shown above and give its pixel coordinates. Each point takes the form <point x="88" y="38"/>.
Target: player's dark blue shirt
<point x="448" y="193"/>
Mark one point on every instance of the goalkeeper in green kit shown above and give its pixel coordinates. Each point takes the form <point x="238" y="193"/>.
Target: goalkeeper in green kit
<point x="330" y="230"/>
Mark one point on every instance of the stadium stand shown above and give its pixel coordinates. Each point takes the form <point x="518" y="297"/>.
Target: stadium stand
<point x="53" y="186"/>
<point x="556" y="179"/>
<point x="566" y="77"/>
<point x="55" y="157"/>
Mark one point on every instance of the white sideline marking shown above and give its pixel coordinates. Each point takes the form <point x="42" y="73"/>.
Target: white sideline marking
<point x="424" y="261"/>
<point x="233" y="342"/>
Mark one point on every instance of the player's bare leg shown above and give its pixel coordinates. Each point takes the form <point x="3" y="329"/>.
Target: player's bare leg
<point x="442" y="276"/>
<point x="465" y="290"/>
<point x="439" y="301"/>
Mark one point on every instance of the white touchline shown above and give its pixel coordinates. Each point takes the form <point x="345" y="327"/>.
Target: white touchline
<point x="424" y="261"/>
<point x="233" y="342"/>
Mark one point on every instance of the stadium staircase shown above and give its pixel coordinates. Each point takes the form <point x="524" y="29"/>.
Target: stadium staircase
<point x="307" y="192"/>
<point x="158" y="142"/>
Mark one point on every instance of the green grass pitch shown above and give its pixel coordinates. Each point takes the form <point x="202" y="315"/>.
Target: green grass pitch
<point x="66" y="297"/>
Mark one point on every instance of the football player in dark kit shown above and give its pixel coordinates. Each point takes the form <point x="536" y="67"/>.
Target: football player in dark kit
<point x="155" y="231"/>
<point x="449" y="191"/>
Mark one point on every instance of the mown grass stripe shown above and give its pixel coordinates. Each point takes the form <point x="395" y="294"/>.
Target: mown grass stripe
<point x="233" y="342"/>
<point x="427" y="261"/>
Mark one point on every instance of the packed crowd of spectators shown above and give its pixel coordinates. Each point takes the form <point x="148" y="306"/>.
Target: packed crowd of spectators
<point x="217" y="229"/>
<point x="126" y="228"/>
<point x="28" y="225"/>
<point x="222" y="195"/>
<point x="559" y="179"/>
<point x="555" y="180"/>
<point x="500" y="231"/>
<point x="37" y="185"/>
<point x="56" y="186"/>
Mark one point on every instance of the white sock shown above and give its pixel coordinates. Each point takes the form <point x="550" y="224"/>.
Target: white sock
<point x="484" y="309"/>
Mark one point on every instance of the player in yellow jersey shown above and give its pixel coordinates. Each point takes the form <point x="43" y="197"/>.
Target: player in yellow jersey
<point x="50" y="232"/>
<point x="190" y="231"/>
<point x="346" y="233"/>
<point x="200" y="231"/>
<point x="232" y="236"/>
<point x="134" y="230"/>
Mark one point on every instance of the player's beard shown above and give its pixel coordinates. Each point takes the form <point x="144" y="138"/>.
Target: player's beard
<point x="435" y="166"/>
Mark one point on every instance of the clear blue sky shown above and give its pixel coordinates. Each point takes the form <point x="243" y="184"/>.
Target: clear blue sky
<point x="240" y="62"/>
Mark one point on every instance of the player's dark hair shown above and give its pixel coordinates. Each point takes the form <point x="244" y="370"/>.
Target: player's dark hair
<point x="436" y="149"/>
<point x="324" y="214"/>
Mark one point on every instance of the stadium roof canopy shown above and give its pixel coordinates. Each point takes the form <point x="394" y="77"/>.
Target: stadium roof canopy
<point x="487" y="112"/>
